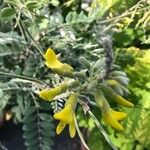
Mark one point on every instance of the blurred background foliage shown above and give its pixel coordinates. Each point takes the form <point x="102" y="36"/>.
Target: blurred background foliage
<point x="72" y="28"/>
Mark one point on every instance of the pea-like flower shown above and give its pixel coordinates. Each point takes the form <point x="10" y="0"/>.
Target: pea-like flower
<point x="66" y="116"/>
<point x="49" y="94"/>
<point x="53" y="63"/>
<point x="111" y="117"/>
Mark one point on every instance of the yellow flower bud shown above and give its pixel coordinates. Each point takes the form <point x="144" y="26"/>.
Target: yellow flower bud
<point x="114" y="96"/>
<point x="111" y="82"/>
<point x="49" y="94"/>
<point x="101" y="100"/>
<point x="120" y="100"/>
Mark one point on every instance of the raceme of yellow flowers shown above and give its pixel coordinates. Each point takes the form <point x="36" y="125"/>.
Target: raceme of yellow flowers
<point x="67" y="115"/>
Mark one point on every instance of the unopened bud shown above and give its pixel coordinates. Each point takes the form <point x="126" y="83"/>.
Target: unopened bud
<point x="84" y="62"/>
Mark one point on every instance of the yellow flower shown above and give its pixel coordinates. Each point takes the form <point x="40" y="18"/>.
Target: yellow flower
<point x="122" y="101"/>
<point x="53" y="63"/>
<point x="112" y="117"/>
<point x="72" y="100"/>
<point x="66" y="116"/>
<point x="49" y="94"/>
<point x="118" y="115"/>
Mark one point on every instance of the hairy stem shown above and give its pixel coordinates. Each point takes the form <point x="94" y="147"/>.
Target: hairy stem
<point x="20" y="77"/>
<point x="102" y="130"/>
<point x="80" y="134"/>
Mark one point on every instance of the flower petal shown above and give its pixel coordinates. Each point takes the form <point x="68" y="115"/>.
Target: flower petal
<point x="51" y="59"/>
<point x="60" y="127"/>
<point x="72" y="100"/>
<point x="66" y="67"/>
<point x="65" y="115"/>
<point x="108" y="119"/>
<point x="49" y="94"/>
<point x="53" y="62"/>
<point x="120" y="100"/>
<point x="72" y="130"/>
<point x="118" y="115"/>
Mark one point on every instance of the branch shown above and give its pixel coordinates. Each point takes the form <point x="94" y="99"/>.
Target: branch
<point x="102" y="130"/>
<point x="80" y="134"/>
<point x="20" y="77"/>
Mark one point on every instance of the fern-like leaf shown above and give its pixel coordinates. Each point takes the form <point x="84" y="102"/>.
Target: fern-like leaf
<point x="10" y="43"/>
<point x="38" y="129"/>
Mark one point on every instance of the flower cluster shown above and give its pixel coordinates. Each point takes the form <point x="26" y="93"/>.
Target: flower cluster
<point x="112" y="89"/>
<point x="66" y="115"/>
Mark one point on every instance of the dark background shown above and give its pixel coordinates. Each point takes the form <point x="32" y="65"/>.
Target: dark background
<point x="11" y="138"/>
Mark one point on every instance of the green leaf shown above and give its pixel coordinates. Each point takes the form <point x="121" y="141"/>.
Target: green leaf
<point x="31" y="141"/>
<point x="32" y="147"/>
<point x="55" y="2"/>
<point x="17" y="114"/>
<point x="68" y="17"/>
<point x="4" y="101"/>
<point x="95" y="141"/>
<point x="30" y="110"/>
<point x="13" y="2"/>
<point x="46" y="147"/>
<point x="30" y="135"/>
<point x="28" y="119"/>
<point x="37" y="127"/>
<point x="46" y="117"/>
<point x="47" y="133"/>
<point x="8" y="13"/>
<point x="11" y="43"/>
<point x="45" y="125"/>
<point x="74" y="17"/>
<point x="47" y="141"/>
<point x="32" y="5"/>
<point x="1" y="93"/>
<point x="29" y="127"/>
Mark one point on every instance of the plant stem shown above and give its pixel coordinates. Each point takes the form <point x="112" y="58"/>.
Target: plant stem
<point x="114" y="19"/>
<point x="102" y="130"/>
<point x="38" y="119"/>
<point x="80" y="134"/>
<point x="17" y="88"/>
<point x="86" y="109"/>
<point x="36" y="44"/>
<point x="20" y="77"/>
<point x="118" y="18"/>
<point x="2" y="146"/>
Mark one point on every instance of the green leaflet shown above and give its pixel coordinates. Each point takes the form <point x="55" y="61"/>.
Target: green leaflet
<point x="11" y="43"/>
<point x="38" y="129"/>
